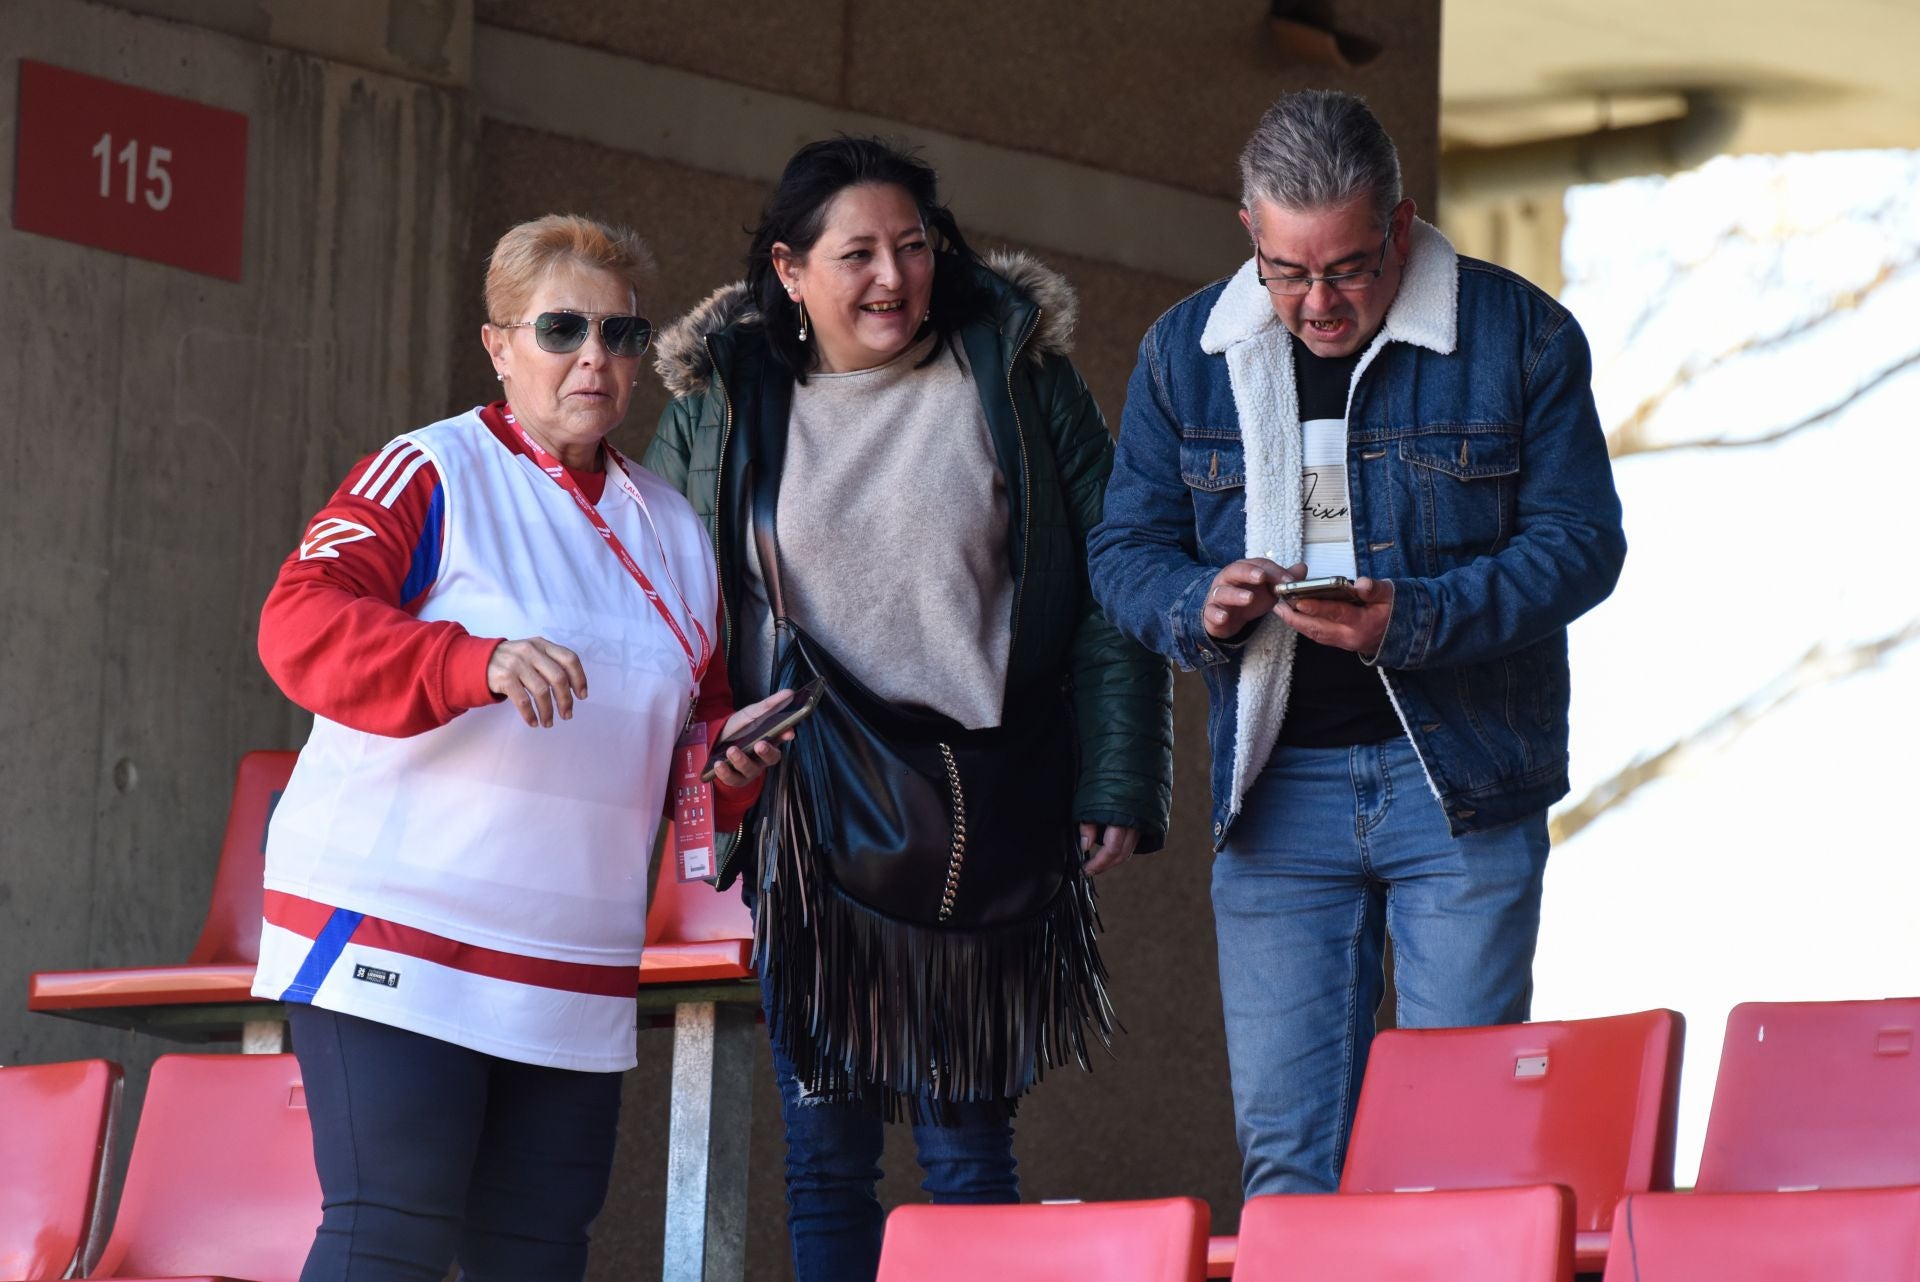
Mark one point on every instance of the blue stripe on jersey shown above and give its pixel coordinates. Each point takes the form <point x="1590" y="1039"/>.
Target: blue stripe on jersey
<point x="426" y="550"/>
<point x="326" y="950"/>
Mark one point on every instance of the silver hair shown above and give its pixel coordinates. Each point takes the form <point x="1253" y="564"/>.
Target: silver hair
<point x="1316" y="149"/>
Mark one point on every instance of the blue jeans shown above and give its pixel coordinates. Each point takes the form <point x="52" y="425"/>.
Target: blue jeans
<point x="833" y="1162"/>
<point x="1335" y="848"/>
<point x="430" y="1153"/>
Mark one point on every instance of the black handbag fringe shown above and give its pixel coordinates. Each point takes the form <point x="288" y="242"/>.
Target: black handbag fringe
<point x="919" y="1017"/>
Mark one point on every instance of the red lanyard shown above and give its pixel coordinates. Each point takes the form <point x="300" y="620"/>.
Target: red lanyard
<point x="561" y="477"/>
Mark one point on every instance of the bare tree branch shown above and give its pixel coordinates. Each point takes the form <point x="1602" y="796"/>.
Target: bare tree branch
<point x="1820" y="666"/>
<point x="1630" y="436"/>
<point x="1724" y="442"/>
<point x="1739" y="233"/>
<point x="1656" y="300"/>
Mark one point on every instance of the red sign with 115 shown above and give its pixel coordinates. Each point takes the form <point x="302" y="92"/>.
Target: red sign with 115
<point x="129" y="170"/>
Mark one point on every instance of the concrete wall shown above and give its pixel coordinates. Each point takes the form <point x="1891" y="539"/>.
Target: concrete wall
<point x="166" y="436"/>
<point x="1154" y="89"/>
<point x="197" y="422"/>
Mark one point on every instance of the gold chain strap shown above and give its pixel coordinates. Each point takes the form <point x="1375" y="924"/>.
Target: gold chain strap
<point x="959" y="853"/>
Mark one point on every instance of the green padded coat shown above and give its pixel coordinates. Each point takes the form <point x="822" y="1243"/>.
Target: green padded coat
<point x="1055" y="450"/>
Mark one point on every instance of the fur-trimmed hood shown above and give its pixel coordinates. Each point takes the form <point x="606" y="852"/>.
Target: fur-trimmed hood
<point x="686" y="368"/>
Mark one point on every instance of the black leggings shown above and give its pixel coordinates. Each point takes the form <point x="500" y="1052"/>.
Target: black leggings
<point x="430" y="1153"/>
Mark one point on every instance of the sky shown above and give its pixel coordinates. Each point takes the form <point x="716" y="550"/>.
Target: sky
<point x="1776" y="861"/>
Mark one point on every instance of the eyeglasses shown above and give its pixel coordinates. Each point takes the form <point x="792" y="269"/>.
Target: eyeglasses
<point x="563" y="332"/>
<point x="1345" y="282"/>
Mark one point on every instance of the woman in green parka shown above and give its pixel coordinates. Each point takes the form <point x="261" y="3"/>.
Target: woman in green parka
<point x="927" y="461"/>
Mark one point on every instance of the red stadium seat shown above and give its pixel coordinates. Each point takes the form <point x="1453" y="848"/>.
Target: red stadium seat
<point x="221" y="1183"/>
<point x="1840" y="1235"/>
<point x="1815" y="1095"/>
<point x="220" y="968"/>
<point x="1589" y="1104"/>
<point x="695" y="934"/>
<point x="56" y="1124"/>
<point x="1157" y="1241"/>
<point x="1488" y="1235"/>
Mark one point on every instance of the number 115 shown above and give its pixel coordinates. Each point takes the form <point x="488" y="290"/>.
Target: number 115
<point x="159" y="187"/>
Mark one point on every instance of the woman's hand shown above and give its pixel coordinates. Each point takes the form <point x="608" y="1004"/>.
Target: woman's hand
<point x="1104" y="846"/>
<point x="541" y="679"/>
<point x="744" y="763"/>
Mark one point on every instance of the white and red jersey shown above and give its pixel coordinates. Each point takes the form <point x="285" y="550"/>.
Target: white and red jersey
<point x="435" y="863"/>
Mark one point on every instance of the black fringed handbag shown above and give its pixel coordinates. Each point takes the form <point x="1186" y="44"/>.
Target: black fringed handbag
<point x="922" y="922"/>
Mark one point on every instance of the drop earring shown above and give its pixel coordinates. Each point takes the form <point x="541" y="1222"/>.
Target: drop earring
<point x="797" y="302"/>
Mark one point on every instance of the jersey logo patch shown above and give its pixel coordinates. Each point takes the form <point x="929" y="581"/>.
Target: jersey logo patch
<point x="325" y="538"/>
<point x="375" y="975"/>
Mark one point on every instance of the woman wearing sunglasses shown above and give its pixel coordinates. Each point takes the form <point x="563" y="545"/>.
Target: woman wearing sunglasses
<point x="901" y="466"/>
<point x="505" y="632"/>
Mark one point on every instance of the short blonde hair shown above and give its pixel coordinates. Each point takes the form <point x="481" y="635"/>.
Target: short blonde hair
<point x="522" y="258"/>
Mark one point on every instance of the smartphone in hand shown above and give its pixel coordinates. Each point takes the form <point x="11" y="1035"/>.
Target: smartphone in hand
<point x="1332" y="587"/>
<point x="771" y="726"/>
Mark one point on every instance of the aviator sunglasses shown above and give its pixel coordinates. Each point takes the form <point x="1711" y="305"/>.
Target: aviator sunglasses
<point x="563" y="332"/>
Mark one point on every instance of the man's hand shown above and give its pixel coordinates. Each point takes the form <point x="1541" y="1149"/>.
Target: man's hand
<point x="1241" y="593"/>
<point x="1106" y="847"/>
<point x="1358" y="628"/>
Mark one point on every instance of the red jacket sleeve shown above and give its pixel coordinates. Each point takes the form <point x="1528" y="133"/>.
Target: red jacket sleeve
<point x="714" y="706"/>
<point x="338" y="634"/>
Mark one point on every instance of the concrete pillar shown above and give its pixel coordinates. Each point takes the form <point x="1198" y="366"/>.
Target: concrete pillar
<point x="1519" y="231"/>
<point x="167" y="435"/>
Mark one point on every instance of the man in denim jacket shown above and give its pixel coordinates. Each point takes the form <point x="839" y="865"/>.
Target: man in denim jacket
<point x="1360" y="400"/>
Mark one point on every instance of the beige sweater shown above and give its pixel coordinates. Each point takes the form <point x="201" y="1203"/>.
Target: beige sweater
<point x="892" y="528"/>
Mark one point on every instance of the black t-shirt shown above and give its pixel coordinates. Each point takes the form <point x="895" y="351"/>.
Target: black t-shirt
<point x="1335" y="701"/>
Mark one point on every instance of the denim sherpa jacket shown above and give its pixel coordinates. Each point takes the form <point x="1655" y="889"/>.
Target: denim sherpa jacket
<point x="1479" y="483"/>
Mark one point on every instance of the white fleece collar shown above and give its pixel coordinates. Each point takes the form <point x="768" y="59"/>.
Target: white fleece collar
<point x="1259" y="353"/>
